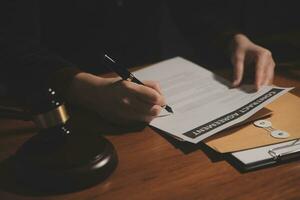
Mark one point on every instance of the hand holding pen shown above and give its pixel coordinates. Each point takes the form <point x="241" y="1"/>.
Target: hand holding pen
<point x="117" y="101"/>
<point x="126" y="75"/>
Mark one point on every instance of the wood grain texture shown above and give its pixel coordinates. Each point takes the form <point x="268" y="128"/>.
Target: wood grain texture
<point x="153" y="166"/>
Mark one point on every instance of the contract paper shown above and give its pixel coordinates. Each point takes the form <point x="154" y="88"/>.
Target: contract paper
<point x="203" y="102"/>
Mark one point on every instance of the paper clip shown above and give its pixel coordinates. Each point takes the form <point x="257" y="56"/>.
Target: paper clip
<point x="286" y="151"/>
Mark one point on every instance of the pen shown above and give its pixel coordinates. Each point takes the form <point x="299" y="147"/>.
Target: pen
<point x="126" y="75"/>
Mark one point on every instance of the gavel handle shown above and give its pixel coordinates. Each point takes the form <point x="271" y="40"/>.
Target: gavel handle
<point x="14" y="113"/>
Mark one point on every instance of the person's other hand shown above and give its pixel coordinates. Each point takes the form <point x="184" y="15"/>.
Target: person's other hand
<point x="117" y="100"/>
<point x="246" y="54"/>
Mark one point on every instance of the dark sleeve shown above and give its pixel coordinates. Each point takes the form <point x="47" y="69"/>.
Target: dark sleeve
<point x="207" y="25"/>
<point x="25" y="66"/>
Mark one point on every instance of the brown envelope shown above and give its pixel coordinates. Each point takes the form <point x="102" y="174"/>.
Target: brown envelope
<point x="286" y="117"/>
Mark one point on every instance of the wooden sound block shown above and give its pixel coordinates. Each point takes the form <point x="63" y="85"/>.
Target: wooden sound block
<point x="56" y="162"/>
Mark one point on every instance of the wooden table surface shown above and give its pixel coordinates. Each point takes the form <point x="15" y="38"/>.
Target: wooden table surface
<point x="154" y="167"/>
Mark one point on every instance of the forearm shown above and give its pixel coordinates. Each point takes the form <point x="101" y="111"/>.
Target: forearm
<point x="26" y="67"/>
<point x="83" y="88"/>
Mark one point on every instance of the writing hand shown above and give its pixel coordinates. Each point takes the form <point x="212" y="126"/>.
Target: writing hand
<point x="119" y="101"/>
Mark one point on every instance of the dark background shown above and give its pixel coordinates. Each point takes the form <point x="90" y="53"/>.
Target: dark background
<point x="272" y="24"/>
<point x="40" y="37"/>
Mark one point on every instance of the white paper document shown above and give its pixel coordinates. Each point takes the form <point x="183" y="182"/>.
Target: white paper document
<point x="203" y="102"/>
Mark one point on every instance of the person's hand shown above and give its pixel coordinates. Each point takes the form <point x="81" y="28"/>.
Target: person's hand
<point x="116" y="100"/>
<point x="245" y="54"/>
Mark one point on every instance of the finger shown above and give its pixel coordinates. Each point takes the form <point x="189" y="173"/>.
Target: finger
<point x="132" y="114"/>
<point x="145" y="93"/>
<point x="140" y="107"/>
<point x="269" y="73"/>
<point x="129" y="115"/>
<point x="238" y="66"/>
<point x="155" y="110"/>
<point x="154" y="85"/>
<point x="260" y="75"/>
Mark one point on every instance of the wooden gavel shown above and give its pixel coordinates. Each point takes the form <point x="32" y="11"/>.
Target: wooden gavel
<point x="59" y="158"/>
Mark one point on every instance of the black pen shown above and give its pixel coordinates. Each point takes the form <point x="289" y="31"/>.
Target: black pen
<point x="126" y="75"/>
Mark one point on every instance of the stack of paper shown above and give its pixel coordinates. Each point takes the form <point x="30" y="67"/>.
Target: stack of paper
<point x="203" y="103"/>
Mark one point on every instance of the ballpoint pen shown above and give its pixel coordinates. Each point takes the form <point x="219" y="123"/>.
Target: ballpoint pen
<point x="126" y="75"/>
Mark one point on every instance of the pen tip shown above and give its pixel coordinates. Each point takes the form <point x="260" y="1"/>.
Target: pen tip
<point x="169" y="109"/>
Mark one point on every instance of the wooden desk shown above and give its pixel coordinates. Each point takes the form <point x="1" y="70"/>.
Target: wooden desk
<point x="151" y="167"/>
